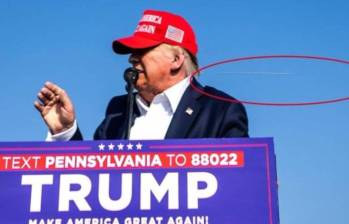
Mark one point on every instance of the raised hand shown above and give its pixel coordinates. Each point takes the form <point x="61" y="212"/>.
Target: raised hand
<point x="55" y="108"/>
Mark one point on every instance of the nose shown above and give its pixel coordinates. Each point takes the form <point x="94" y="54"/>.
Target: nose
<point x="134" y="59"/>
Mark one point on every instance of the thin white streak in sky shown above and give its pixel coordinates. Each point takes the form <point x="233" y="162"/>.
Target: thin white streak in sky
<point x="256" y="73"/>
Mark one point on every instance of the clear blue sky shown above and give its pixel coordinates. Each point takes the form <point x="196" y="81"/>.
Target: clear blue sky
<point x="69" y="42"/>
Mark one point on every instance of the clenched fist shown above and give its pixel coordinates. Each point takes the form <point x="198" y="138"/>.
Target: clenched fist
<point x="55" y="108"/>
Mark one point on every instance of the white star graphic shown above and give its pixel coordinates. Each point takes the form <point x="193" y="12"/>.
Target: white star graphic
<point x="101" y="147"/>
<point x="111" y="146"/>
<point x="139" y="146"/>
<point x="120" y="146"/>
<point x="129" y="146"/>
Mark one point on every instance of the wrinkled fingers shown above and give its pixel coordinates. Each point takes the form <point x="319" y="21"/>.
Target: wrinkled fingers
<point x="58" y="93"/>
<point x="53" y="88"/>
<point x="39" y="106"/>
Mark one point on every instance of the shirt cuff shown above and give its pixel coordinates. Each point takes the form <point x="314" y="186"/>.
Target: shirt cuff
<point x="62" y="136"/>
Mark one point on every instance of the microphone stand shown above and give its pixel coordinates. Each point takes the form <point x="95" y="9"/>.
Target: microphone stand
<point x="130" y="76"/>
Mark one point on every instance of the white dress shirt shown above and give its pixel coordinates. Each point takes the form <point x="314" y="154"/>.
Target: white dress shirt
<point x="154" y="119"/>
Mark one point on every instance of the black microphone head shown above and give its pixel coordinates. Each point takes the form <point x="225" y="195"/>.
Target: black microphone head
<point x="131" y="75"/>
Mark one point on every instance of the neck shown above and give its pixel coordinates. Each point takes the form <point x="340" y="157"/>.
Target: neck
<point x="149" y="95"/>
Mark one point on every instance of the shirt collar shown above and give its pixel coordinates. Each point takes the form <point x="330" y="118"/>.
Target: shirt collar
<point x="172" y="94"/>
<point x="142" y="105"/>
<point x="175" y="92"/>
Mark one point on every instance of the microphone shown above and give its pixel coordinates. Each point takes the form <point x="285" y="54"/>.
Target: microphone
<point x="131" y="77"/>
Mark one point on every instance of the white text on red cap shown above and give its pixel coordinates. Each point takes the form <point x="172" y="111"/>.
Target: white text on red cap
<point x="151" y="18"/>
<point x="146" y="28"/>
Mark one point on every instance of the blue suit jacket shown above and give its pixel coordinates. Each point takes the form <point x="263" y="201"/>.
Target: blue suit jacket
<point x="210" y="118"/>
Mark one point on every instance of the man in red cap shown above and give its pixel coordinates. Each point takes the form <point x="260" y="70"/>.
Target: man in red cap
<point x="163" y="49"/>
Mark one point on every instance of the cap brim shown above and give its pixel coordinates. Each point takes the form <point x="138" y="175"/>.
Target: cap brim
<point x="129" y="44"/>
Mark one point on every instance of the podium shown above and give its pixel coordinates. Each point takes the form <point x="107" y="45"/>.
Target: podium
<point x="182" y="181"/>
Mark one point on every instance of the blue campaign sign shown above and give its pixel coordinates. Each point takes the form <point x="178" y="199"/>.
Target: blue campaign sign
<point x="202" y="181"/>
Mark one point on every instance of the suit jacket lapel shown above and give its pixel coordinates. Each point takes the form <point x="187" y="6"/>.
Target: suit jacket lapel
<point x="186" y="112"/>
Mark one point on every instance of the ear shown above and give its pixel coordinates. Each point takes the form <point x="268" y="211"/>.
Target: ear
<point x="177" y="61"/>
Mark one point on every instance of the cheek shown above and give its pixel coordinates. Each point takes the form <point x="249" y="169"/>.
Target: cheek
<point x="141" y="79"/>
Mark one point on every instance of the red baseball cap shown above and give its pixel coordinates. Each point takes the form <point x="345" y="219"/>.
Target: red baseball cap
<point x="156" y="27"/>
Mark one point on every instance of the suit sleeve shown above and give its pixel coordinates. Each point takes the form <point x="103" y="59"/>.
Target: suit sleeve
<point x="100" y="131"/>
<point x="77" y="136"/>
<point x="112" y="124"/>
<point x="235" y="122"/>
